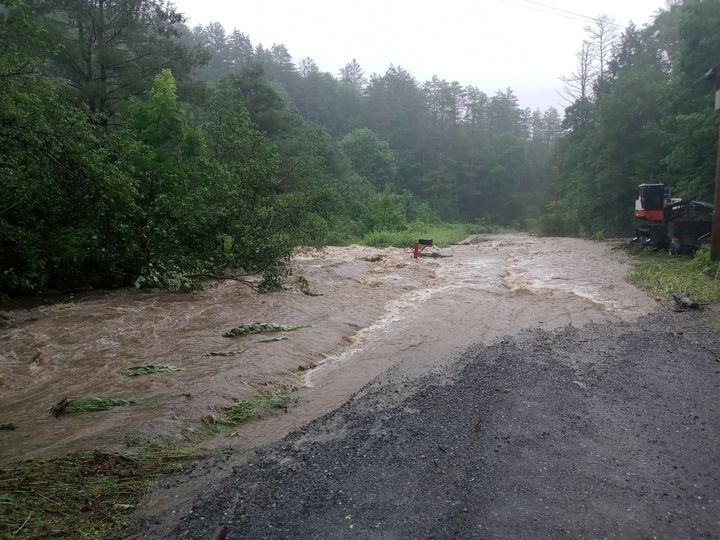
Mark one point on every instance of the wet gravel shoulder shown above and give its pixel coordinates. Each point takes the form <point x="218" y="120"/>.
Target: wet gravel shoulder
<point x="609" y="431"/>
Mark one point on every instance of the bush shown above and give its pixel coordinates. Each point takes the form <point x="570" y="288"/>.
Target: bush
<point x="442" y="235"/>
<point x="702" y="262"/>
<point x="556" y="224"/>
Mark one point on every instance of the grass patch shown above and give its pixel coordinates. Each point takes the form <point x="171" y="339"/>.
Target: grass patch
<point x="237" y="352"/>
<point x="84" y="495"/>
<point x="87" y="405"/>
<point x="149" y="369"/>
<point x="245" y="409"/>
<point x="259" y="328"/>
<point x="442" y="235"/>
<point x="662" y="275"/>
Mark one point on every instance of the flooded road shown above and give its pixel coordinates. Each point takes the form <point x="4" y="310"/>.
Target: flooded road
<point x="375" y="309"/>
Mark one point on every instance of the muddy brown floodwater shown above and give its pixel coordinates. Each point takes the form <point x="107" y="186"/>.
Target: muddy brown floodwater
<point x="375" y="309"/>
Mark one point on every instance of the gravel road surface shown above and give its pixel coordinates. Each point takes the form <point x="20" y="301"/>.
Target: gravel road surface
<point x="608" y="431"/>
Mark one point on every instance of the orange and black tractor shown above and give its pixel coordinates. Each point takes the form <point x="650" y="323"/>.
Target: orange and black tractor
<point x="678" y="225"/>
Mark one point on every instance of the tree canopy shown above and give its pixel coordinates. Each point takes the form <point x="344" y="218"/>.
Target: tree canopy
<point x="645" y="117"/>
<point x="134" y="149"/>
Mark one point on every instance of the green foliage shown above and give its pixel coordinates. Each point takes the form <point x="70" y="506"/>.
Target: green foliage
<point x="85" y="495"/>
<point x="243" y="410"/>
<point x="557" y="223"/>
<point x="597" y="234"/>
<point x="702" y="262"/>
<point x="662" y="275"/>
<point x="304" y="286"/>
<point x="648" y="120"/>
<point x="370" y="157"/>
<point x="156" y="275"/>
<point x="119" y="168"/>
<point x="258" y="328"/>
<point x="111" y="50"/>
<point x="384" y="211"/>
<point x="149" y="369"/>
<point x="88" y="404"/>
<point x="442" y="235"/>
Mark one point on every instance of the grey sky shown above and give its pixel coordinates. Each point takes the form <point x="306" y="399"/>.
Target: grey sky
<point x="491" y="44"/>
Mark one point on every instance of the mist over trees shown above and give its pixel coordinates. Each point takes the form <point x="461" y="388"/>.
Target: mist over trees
<point x="135" y="149"/>
<point x="468" y="155"/>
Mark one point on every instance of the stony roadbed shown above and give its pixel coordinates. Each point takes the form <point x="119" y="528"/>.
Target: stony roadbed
<point x="606" y="431"/>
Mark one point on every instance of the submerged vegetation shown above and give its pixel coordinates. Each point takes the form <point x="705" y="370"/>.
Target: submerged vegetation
<point x="236" y="352"/>
<point x="88" y="404"/>
<point x="273" y="339"/>
<point x="259" y="328"/>
<point x="84" y="495"/>
<point x="663" y="275"/>
<point x="149" y="369"/>
<point x="243" y="410"/>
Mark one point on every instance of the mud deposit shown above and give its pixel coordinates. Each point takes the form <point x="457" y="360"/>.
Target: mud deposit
<point x="376" y="308"/>
<point x="609" y="431"/>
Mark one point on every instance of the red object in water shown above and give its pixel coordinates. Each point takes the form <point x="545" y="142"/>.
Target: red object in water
<point x="416" y="250"/>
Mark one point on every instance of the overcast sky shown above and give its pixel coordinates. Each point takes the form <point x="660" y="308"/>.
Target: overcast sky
<point x="491" y="44"/>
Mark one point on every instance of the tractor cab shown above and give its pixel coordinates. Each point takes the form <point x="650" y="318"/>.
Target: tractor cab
<point x="671" y="223"/>
<point x="652" y="201"/>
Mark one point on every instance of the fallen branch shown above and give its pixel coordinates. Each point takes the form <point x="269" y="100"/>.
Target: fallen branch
<point x="23" y="525"/>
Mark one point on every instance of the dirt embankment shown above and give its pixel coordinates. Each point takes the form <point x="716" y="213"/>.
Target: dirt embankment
<point x="375" y="308"/>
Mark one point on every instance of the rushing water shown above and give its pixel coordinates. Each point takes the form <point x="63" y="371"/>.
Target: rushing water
<point x="377" y="308"/>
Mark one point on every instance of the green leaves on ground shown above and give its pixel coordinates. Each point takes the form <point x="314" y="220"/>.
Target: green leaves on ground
<point x="149" y="369"/>
<point x="86" y="495"/>
<point x="243" y="410"/>
<point x="77" y="405"/>
<point x="227" y="353"/>
<point x="258" y="328"/>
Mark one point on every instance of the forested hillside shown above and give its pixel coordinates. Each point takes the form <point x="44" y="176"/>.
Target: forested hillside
<point x="640" y="111"/>
<point x="136" y="150"/>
